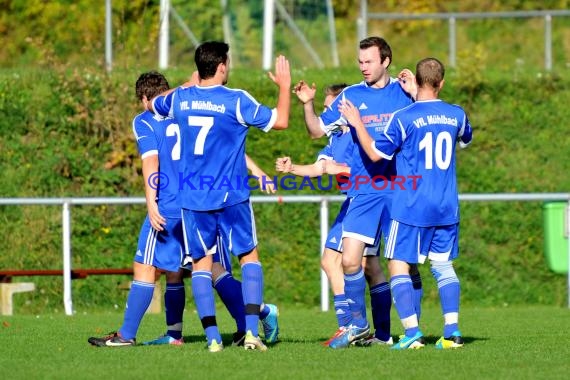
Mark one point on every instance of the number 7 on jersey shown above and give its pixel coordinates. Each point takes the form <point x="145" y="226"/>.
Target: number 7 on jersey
<point x="205" y="123"/>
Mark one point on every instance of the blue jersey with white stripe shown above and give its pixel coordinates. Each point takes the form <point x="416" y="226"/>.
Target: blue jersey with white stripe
<point x="423" y="136"/>
<point x="157" y="135"/>
<point x="376" y="106"/>
<point x="339" y="149"/>
<point x="213" y="124"/>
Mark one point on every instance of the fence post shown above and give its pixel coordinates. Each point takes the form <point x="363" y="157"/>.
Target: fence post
<point x="268" y="27"/>
<point x="452" y="42"/>
<point x="163" y="34"/>
<point x="324" y="233"/>
<point x="66" y="224"/>
<point x="108" y="36"/>
<point x="548" y="42"/>
<point x="567" y="233"/>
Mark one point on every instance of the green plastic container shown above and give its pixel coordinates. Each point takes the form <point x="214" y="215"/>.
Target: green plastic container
<point x="555" y="240"/>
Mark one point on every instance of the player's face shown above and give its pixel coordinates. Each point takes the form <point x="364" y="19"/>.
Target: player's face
<point x="370" y="66"/>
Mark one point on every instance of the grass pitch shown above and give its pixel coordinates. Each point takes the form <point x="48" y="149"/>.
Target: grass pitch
<point x="511" y="342"/>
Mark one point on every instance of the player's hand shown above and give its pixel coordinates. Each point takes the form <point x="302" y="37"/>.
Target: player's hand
<point x="266" y="185"/>
<point x="407" y="80"/>
<point x="304" y="92"/>
<point x="283" y="164"/>
<point x="282" y="76"/>
<point x="157" y="221"/>
<point x="350" y="113"/>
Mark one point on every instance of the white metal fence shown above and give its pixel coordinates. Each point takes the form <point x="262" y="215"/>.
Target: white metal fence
<point x="324" y="201"/>
<point x="452" y="18"/>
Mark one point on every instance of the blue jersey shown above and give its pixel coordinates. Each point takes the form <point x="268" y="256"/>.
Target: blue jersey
<point x="339" y="149"/>
<point x="157" y="135"/>
<point x="376" y="106"/>
<point x="424" y="136"/>
<point x="213" y="123"/>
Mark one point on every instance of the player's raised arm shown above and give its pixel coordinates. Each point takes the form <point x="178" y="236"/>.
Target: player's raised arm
<point x="352" y="116"/>
<point x="306" y="95"/>
<point x="282" y="78"/>
<point x="285" y="165"/>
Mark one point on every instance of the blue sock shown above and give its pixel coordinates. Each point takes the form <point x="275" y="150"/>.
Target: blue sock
<point x="354" y="289"/>
<point x="381" y="302"/>
<point x="449" y="292"/>
<point x="204" y="300"/>
<point x="403" y="295"/>
<point x="229" y="290"/>
<point x="252" y="289"/>
<point x="139" y="299"/>
<point x="264" y="312"/>
<point x="342" y="310"/>
<point x="174" y="301"/>
<point x="418" y="293"/>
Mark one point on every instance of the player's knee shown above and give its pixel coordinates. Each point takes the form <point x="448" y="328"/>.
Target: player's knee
<point x="372" y="270"/>
<point x="174" y="277"/>
<point x="442" y="270"/>
<point x="351" y="266"/>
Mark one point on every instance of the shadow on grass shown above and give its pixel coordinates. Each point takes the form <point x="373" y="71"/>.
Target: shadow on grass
<point x="431" y="339"/>
<point x="227" y="339"/>
<point x="198" y="338"/>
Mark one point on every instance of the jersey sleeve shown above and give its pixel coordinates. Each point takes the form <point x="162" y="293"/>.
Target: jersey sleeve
<point x="331" y="119"/>
<point x="465" y="135"/>
<point x="252" y="113"/>
<point x="392" y="138"/>
<point x="146" y="139"/>
<point x="163" y="104"/>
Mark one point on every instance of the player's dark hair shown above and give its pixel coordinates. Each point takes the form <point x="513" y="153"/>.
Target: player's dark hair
<point x="150" y="84"/>
<point x="381" y="44"/>
<point x="208" y="56"/>
<point x="335" y="89"/>
<point x="429" y="72"/>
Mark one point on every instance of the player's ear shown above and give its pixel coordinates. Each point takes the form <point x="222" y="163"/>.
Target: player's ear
<point x="145" y="102"/>
<point x="441" y="85"/>
<point x="223" y="67"/>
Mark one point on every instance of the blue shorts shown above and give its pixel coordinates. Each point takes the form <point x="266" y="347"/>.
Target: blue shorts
<point x="161" y="249"/>
<point x="221" y="256"/>
<point x="367" y="216"/>
<point x="234" y="224"/>
<point x="334" y="237"/>
<point x="373" y="250"/>
<point x="414" y="244"/>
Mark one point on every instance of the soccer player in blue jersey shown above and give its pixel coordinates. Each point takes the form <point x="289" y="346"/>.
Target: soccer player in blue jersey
<point x="160" y="237"/>
<point x="339" y="149"/>
<point x="425" y="211"/>
<point x="214" y="121"/>
<point x="335" y="159"/>
<point x="160" y="241"/>
<point x="369" y="185"/>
